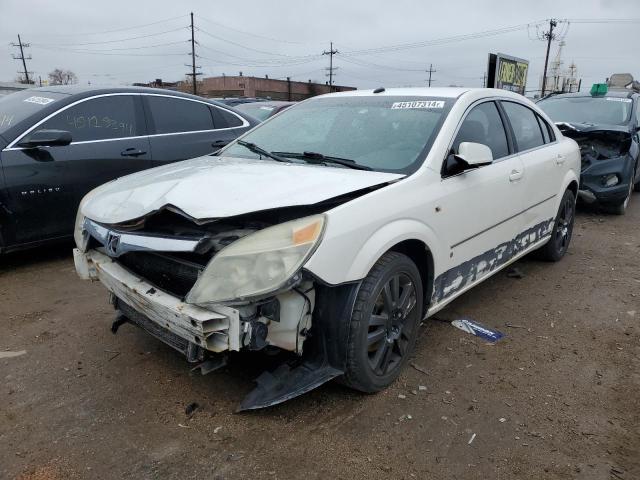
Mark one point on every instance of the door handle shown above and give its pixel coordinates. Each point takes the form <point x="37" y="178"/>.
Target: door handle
<point x="515" y="175"/>
<point x="220" y="143"/>
<point x="132" y="152"/>
<point x="560" y="159"/>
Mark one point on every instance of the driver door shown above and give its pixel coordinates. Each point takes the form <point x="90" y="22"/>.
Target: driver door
<point x="480" y="207"/>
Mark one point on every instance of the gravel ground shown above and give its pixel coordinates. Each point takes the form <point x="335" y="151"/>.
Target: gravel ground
<point x="557" y="398"/>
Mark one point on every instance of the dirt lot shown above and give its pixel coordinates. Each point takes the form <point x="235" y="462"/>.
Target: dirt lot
<point x="557" y="398"/>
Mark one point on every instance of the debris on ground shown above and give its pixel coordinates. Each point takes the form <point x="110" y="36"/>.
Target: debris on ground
<point x="401" y="396"/>
<point x="474" y="328"/>
<point x="473" y="437"/>
<point x="420" y="369"/>
<point x="191" y="408"/>
<point x="515" y="272"/>
<point x="12" y="354"/>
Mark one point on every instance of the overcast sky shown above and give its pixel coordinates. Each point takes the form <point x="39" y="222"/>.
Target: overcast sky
<point x="286" y="38"/>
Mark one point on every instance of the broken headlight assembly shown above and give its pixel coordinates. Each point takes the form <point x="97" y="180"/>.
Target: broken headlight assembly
<point x="258" y="264"/>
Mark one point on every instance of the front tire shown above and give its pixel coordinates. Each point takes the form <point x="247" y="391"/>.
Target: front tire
<point x="384" y="323"/>
<point x="558" y="244"/>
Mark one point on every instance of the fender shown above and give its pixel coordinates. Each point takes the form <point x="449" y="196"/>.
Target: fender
<point x="334" y="265"/>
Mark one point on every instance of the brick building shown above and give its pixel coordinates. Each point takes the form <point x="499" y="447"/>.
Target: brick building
<point x="241" y="86"/>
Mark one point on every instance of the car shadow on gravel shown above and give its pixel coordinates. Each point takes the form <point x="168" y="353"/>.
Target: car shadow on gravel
<point x="35" y="256"/>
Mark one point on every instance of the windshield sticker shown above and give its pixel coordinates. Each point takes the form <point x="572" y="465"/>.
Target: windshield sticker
<point x="419" y="104"/>
<point x="267" y="108"/>
<point x="616" y="99"/>
<point x="39" y="100"/>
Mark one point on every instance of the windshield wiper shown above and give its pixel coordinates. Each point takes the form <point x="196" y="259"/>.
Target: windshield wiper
<point x="315" y="157"/>
<point x="261" y="151"/>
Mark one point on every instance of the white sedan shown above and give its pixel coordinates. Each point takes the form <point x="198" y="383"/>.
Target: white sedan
<point x="331" y="230"/>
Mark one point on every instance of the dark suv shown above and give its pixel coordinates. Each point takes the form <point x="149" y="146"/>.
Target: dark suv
<point x="605" y="124"/>
<point x="57" y="143"/>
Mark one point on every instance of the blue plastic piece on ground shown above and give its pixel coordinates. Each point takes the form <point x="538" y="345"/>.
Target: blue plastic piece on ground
<point x="474" y="328"/>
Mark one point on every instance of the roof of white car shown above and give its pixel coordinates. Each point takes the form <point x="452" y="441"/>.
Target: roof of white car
<point x="447" y="92"/>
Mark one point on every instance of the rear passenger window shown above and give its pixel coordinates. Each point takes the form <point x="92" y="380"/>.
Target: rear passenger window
<point x="225" y="119"/>
<point x="525" y="126"/>
<point x="484" y="125"/>
<point x="103" y="118"/>
<point x="547" y="131"/>
<point x="173" y="115"/>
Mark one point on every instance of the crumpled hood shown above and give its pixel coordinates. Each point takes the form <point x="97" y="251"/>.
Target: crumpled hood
<point x="215" y="187"/>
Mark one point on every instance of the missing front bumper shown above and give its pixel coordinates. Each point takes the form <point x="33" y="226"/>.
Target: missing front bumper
<point x="216" y="329"/>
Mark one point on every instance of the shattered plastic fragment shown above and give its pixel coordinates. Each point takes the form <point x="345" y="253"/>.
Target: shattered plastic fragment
<point x="478" y="330"/>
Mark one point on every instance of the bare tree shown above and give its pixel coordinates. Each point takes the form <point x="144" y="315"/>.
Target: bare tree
<point x="62" y="77"/>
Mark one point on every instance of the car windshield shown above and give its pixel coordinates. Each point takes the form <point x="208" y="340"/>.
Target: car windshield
<point x="257" y="110"/>
<point x="17" y="106"/>
<point x="592" y="110"/>
<point x="385" y="133"/>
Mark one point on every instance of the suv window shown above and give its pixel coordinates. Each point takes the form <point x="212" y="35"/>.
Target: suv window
<point x="173" y="115"/>
<point x="102" y="118"/>
<point x="484" y="125"/>
<point x="525" y="126"/>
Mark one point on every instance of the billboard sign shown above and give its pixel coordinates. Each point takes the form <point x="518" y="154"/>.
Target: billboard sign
<point x="507" y="72"/>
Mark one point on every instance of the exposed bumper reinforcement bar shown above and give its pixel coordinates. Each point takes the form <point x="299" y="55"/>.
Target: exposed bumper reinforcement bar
<point x="217" y="330"/>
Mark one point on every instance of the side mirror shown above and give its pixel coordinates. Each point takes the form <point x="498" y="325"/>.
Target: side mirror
<point x="474" y="154"/>
<point x="46" y="138"/>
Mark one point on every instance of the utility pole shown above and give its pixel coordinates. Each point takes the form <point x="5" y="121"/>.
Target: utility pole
<point x="547" y="36"/>
<point x="331" y="53"/>
<point x="193" y="74"/>
<point x="23" y="58"/>
<point x="430" y="71"/>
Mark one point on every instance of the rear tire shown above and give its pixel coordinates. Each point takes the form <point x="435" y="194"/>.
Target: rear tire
<point x="384" y="323"/>
<point x="558" y="244"/>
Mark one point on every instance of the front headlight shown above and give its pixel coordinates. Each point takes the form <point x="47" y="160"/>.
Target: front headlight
<point x="258" y="264"/>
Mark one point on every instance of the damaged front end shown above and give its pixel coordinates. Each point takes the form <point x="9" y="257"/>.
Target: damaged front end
<point x="207" y="288"/>
<point x="607" y="168"/>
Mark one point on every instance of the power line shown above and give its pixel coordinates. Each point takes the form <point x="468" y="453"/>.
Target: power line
<point x="113" y="41"/>
<point x="440" y="41"/>
<point x="23" y="58"/>
<point x="240" y="45"/>
<point x="331" y="53"/>
<point x="106" y="52"/>
<point x="251" y="34"/>
<point x="134" y="27"/>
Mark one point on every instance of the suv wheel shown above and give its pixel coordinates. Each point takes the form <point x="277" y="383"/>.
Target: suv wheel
<point x="384" y="324"/>
<point x="558" y="244"/>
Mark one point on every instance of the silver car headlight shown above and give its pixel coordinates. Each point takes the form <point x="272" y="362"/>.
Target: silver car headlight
<point x="258" y="264"/>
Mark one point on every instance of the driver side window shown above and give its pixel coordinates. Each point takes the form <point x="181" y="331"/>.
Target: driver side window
<point x="483" y="125"/>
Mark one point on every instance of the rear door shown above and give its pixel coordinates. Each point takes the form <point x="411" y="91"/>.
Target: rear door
<point x="543" y="161"/>
<point x="184" y="128"/>
<point x="45" y="184"/>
